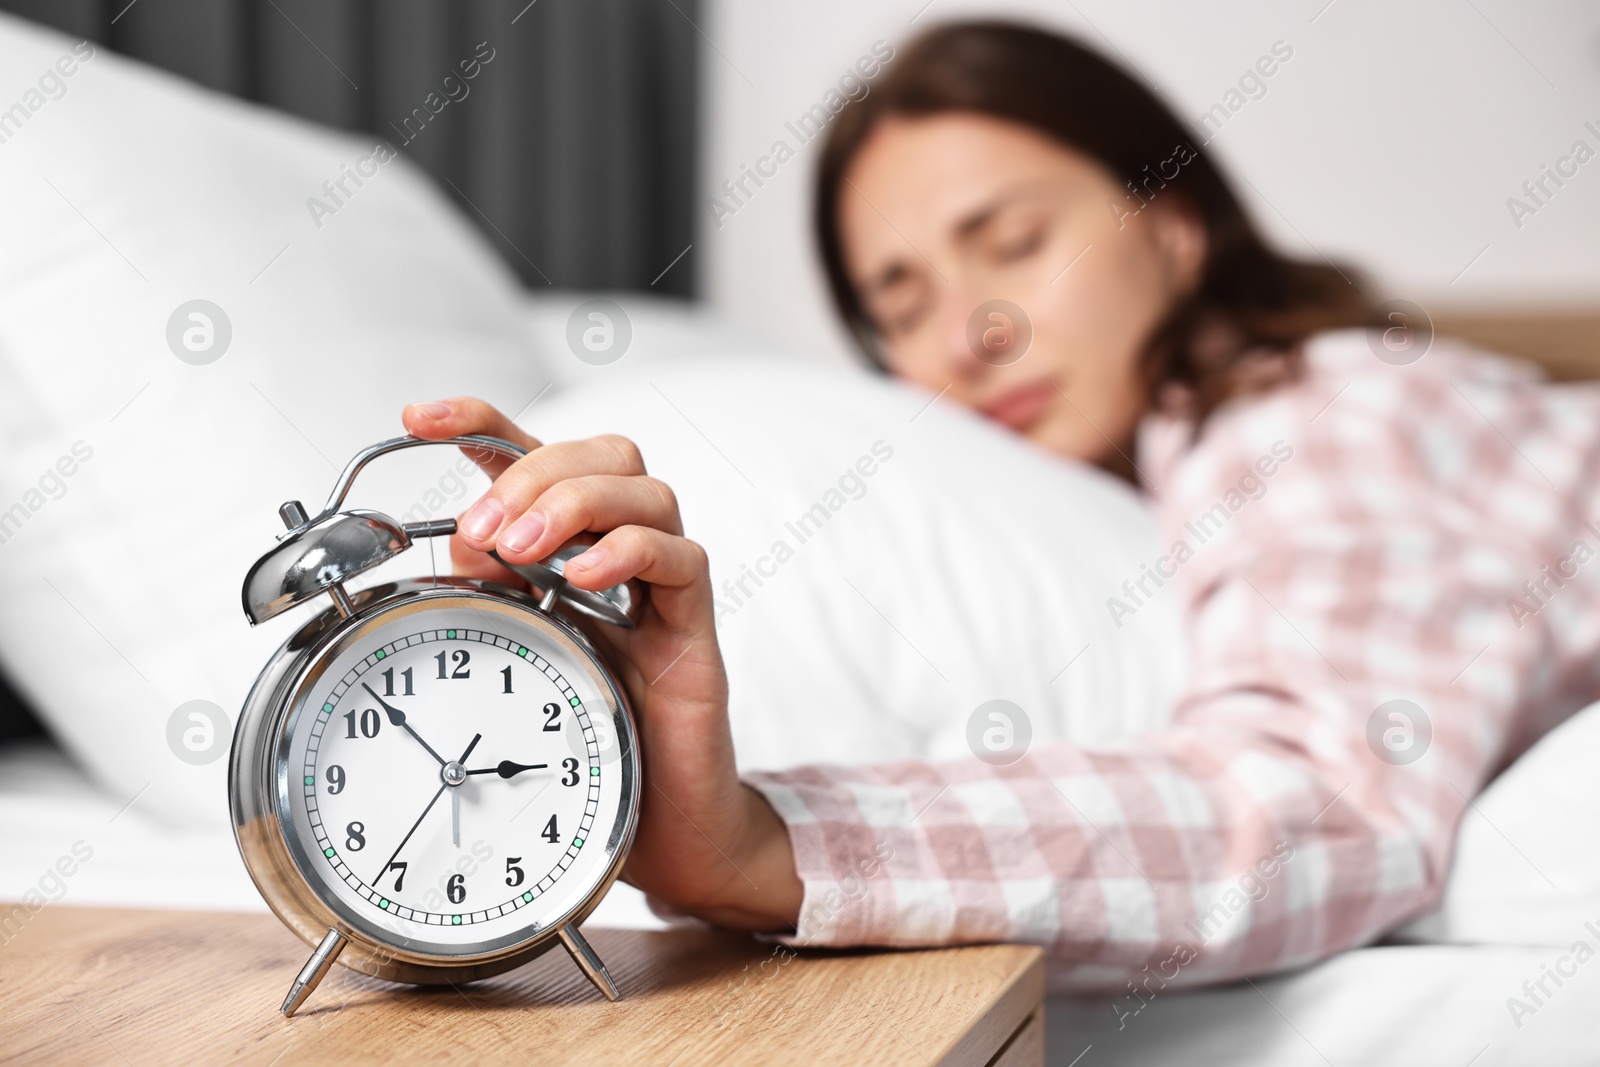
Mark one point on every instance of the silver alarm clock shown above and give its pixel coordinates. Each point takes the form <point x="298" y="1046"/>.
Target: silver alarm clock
<point x="433" y="780"/>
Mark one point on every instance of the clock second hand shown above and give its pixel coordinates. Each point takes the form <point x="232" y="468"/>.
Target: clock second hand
<point x="442" y="787"/>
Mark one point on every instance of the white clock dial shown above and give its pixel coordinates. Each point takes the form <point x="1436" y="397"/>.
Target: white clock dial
<point x="452" y="779"/>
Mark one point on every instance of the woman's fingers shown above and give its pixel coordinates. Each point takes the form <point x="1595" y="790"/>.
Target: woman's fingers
<point x="516" y="489"/>
<point x="436" y="420"/>
<point x="662" y="559"/>
<point x="469" y="563"/>
<point x="591" y="502"/>
<point x="538" y="502"/>
<point x="674" y="567"/>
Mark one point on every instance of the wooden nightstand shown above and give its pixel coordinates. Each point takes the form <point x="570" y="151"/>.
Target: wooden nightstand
<point x="80" y="985"/>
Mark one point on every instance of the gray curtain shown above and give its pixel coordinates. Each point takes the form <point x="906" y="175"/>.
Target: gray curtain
<point x="573" y="149"/>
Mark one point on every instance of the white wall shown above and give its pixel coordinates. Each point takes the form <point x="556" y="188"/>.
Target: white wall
<point x="1392" y="138"/>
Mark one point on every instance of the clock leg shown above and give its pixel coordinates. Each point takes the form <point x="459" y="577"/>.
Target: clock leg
<point x="312" y="973"/>
<point x="588" y="961"/>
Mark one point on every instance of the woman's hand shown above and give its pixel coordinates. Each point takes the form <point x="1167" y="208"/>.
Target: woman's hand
<point x="707" y="844"/>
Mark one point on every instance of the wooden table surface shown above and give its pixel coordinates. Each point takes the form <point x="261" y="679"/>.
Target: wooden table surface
<point x="82" y="985"/>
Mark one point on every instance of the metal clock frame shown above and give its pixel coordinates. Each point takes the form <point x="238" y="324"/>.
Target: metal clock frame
<point x="258" y="792"/>
<point x="259" y="796"/>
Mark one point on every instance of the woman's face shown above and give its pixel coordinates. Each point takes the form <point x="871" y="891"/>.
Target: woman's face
<point x="941" y="215"/>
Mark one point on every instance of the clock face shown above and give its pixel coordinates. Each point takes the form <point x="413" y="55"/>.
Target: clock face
<point x="453" y="780"/>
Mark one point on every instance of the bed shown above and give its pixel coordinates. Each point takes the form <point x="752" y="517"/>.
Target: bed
<point x="1410" y="1003"/>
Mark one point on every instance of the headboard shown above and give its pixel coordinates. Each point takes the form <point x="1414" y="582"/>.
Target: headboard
<point x="1565" y="342"/>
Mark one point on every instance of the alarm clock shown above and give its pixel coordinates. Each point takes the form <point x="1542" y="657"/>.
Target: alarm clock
<point x="437" y="779"/>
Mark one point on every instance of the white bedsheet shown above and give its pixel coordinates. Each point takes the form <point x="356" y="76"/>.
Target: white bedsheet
<point x="1434" y="1004"/>
<point x="1428" y="1005"/>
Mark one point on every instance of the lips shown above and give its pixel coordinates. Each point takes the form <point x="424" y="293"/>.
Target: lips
<point x="1019" y="407"/>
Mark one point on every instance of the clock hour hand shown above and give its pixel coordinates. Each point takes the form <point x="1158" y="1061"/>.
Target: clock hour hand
<point x="398" y="718"/>
<point x="508" y="769"/>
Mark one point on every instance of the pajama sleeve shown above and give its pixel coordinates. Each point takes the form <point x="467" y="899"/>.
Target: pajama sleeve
<point x="1342" y="552"/>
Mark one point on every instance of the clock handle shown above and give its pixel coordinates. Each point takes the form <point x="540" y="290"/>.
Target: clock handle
<point x="479" y="441"/>
<point x="588" y="961"/>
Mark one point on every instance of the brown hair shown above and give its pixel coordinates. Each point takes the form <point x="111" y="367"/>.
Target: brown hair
<point x="1249" y="297"/>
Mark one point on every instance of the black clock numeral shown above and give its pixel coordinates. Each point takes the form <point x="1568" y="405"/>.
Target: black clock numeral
<point x="507" y="675"/>
<point x="461" y="657"/>
<point x="369" y="724"/>
<point x="456" y="889"/>
<point x="550" y="833"/>
<point x="398" y="866"/>
<point x="552" y="718"/>
<point x="356" y="839"/>
<point x="513" y="872"/>
<point x="570" y="765"/>
<point x="388" y="682"/>
<point x="335" y="779"/>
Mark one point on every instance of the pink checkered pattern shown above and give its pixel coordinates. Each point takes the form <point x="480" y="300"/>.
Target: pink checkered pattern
<point x="1384" y="557"/>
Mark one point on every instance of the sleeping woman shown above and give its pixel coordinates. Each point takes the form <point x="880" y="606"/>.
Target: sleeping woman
<point x="1369" y="642"/>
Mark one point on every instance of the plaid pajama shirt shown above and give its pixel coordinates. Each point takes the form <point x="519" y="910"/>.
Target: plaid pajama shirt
<point x="1427" y="540"/>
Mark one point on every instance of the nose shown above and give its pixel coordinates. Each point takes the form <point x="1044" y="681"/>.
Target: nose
<point x="957" y="306"/>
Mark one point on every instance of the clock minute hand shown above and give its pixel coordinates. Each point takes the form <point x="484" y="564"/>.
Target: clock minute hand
<point x="508" y="769"/>
<point x="398" y="718"/>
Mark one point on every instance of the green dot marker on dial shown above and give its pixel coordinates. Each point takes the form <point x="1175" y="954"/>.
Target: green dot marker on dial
<point x="328" y="852"/>
<point x="527" y="898"/>
<point x="451" y="634"/>
<point x="575" y="701"/>
<point x="310" y="780"/>
<point x="577" y="842"/>
<point x="455" y="920"/>
<point x="384" y="904"/>
<point x="382" y="653"/>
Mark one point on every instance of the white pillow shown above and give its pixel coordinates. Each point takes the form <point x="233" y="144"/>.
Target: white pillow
<point x="128" y="192"/>
<point x="966" y="566"/>
<point x="663" y="331"/>
<point x="1524" y="871"/>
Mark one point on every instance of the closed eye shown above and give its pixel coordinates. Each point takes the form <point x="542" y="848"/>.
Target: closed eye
<point x="896" y="301"/>
<point x="1015" y="248"/>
